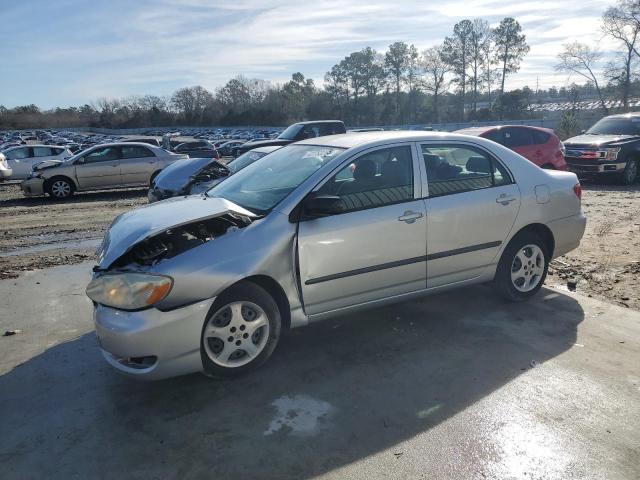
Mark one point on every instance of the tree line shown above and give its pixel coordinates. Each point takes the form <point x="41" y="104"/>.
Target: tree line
<point x="461" y="79"/>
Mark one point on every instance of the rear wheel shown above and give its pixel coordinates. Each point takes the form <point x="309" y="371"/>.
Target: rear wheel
<point x="60" y="187"/>
<point x="630" y="173"/>
<point x="240" y="332"/>
<point x="522" y="268"/>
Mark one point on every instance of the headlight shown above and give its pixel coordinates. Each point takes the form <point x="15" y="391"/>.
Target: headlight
<point x="129" y="291"/>
<point x="609" y="154"/>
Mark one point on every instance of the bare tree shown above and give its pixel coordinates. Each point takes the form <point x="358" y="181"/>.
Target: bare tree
<point x="620" y="23"/>
<point x="396" y="60"/>
<point x="456" y="52"/>
<point x="510" y="47"/>
<point x="435" y="71"/>
<point x="580" y="59"/>
<point x="480" y="34"/>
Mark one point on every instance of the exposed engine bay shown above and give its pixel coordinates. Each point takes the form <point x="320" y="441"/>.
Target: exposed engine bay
<point x="176" y="240"/>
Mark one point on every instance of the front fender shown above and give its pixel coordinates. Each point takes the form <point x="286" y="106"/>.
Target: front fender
<point x="263" y="248"/>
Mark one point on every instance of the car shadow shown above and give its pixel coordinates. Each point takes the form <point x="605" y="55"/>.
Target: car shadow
<point x="333" y="393"/>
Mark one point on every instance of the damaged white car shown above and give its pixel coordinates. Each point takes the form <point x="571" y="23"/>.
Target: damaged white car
<point x="325" y="226"/>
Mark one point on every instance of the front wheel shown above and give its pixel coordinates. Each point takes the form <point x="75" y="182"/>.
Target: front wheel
<point x="60" y="188"/>
<point x="630" y="172"/>
<point x="522" y="268"/>
<point x="241" y="331"/>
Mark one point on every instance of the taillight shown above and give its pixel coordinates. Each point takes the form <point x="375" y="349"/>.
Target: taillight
<point x="577" y="189"/>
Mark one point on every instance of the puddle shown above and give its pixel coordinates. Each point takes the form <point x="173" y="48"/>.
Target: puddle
<point x="301" y="415"/>
<point x="88" y="243"/>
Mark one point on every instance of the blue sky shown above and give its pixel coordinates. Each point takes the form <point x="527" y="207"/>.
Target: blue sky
<point x="69" y="52"/>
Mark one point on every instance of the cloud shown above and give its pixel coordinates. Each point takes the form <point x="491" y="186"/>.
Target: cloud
<point x="71" y="51"/>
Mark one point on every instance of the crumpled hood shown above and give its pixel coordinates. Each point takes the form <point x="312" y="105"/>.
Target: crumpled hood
<point x="46" y="164"/>
<point x="130" y="228"/>
<point x="596" y="140"/>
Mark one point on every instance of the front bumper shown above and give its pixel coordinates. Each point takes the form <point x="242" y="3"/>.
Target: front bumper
<point x="595" y="169"/>
<point x="151" y="344"/>
<point x="32" y="187"/>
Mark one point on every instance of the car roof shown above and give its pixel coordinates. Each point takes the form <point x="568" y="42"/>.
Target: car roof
<point x="318" y="121"/>
<point x="355" y="139"/>
<point x="622" y="115"/>
<point x="486" y="128"/>
<point x="37" y="145"/>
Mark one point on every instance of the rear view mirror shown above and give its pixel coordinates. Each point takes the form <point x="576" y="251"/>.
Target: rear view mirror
<point x="321" y="206"/>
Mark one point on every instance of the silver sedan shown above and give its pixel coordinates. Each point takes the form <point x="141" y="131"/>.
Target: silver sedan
<point x="105" y="166"/>
<point x="319" y="228"/>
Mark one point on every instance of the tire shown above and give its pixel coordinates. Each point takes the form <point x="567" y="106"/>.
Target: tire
<point x="522" y="268"/>
<point x="60" y="188"/>
<point x="229" y="327"/>
<point x="630" y="174"/>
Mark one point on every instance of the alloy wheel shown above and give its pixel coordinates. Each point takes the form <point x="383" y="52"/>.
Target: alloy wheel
<point x="527" y="268"/>
<point x="236" y="334"/>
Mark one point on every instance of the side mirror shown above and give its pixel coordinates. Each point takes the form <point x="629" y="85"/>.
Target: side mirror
<point x="79" y="161"/>
<point x="582" y="132"/>
<point x="321" y="206"/>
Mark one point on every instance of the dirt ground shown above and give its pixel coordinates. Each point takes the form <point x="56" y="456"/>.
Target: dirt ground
<point x="37" y="233"/>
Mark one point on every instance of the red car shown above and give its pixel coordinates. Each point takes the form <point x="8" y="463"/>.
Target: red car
<point x="538" y="145"/>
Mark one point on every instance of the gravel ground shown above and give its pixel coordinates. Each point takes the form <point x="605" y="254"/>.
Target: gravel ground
<point x="39" y="232"/>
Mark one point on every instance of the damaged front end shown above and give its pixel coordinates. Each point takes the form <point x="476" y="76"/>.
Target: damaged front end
<point x="176" y="240"/>
<point x="161" y="231"/>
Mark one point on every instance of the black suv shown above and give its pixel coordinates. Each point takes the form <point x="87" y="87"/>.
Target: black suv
<point x="296" y="132"/>
<point x="610" y="148"/>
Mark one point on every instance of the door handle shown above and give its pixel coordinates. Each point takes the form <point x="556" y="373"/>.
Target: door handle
<point x="505" y="199"/>
<point x="409" y="216"/>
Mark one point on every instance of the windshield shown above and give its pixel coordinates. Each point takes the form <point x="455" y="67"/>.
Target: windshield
<point x="263" y="184"/>
<point x="290" y="132"/>
<point x="616" y="126"/>
<point x="244" y="160"/>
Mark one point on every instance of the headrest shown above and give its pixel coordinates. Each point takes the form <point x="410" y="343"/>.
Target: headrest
<point x="365" y="169"/>
<point x="479" y="164"/>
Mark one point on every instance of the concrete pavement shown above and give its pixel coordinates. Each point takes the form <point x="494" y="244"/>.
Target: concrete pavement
<point x="458" y="385"/>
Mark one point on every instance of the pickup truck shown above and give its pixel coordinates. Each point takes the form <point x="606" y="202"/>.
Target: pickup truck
<point x="295" y="133"/>
<point x="611" y="148"/>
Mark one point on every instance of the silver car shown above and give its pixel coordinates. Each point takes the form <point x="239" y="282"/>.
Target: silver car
<point x="22" y="159"/>
<point x="105" y="166"/>
<point x="318" y="228"/>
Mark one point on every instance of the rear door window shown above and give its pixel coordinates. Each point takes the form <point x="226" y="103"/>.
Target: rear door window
<point x="461" y="168"/>
<point x="518" y="137"/>
<point x="540" y="138"/>
<point x="42" y="152"/>
<point x="136" y="151"/>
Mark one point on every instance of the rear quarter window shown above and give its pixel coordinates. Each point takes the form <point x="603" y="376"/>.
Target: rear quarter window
<point x="540" y="137"/>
